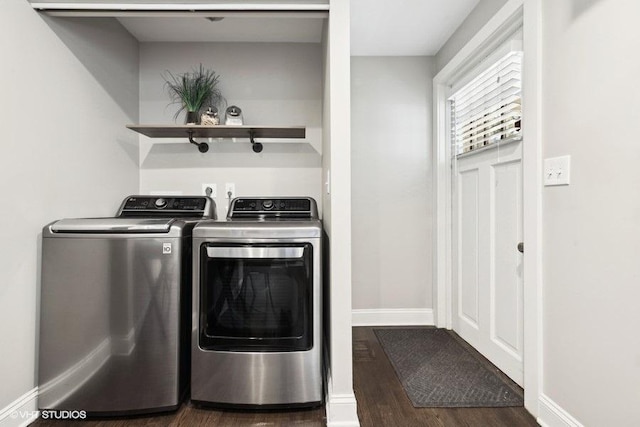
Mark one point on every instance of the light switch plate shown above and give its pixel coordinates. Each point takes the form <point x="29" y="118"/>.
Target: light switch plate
<point x="327" y="183"/>
<point x="557" y="171"/>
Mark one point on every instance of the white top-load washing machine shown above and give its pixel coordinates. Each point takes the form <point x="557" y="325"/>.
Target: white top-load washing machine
<point x="257" y="304"/>
<point x="115" y="303"/>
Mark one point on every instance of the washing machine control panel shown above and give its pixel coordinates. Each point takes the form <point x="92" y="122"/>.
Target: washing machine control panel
<point x="198" y="206"/>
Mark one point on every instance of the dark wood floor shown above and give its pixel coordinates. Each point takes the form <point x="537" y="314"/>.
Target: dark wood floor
<point x="381" y="403"/>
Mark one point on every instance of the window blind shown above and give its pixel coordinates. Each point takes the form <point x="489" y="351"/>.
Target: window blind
<point x="488" y="109"/>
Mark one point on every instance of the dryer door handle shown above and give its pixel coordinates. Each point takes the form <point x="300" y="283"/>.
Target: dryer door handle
<point x="254" y="252"/>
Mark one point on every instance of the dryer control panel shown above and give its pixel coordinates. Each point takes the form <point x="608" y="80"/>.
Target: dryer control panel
<point x="273" y="208"/>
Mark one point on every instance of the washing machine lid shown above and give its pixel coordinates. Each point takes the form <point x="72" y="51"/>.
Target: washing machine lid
<point x="113" y="225"/>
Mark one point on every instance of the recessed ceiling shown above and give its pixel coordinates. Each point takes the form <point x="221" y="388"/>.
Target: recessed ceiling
<point x="404" y="27"/>
<point x="230" y="29"/>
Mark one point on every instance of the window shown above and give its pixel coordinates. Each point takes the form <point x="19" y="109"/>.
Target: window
<point x="488" y="109"/>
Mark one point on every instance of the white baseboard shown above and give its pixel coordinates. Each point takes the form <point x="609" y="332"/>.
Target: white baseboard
<point x="342" y="409"/>
<point x="392" y="317"/>
<point x="22" y="411"/>
<point x="552" y="415"/>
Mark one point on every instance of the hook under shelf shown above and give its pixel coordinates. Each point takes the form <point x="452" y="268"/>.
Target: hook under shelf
<point x="203" y="147"/>
<point x="256" y="146"/>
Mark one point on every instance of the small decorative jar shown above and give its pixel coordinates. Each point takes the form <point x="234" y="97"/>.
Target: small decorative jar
<point x="210" y="117"/>
<point x="233" y="116"/>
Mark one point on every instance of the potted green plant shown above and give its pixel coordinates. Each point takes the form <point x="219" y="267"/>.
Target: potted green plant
<point x="193" y="90"/>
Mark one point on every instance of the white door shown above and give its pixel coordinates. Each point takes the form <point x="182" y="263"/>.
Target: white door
<point x="487" y="268"/>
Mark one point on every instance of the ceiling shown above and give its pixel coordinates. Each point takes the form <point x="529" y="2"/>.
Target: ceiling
<point x="404" y="27"/>
<point x="407" y="28"/>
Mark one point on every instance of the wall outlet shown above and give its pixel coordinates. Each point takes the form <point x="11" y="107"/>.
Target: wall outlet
<point x="557" y="171"/>
<point x="230" y="190"/>
<point x="214" y="190"/>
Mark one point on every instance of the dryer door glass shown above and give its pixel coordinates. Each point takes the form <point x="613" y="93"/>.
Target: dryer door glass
<point x="256" y="297"/>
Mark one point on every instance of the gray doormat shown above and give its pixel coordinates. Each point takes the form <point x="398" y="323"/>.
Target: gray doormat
<point x="436" y="370"/>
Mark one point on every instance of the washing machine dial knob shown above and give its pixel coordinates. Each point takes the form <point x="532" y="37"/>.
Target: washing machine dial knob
<point x="161" y="203"/>
<point x="267" y="204"/>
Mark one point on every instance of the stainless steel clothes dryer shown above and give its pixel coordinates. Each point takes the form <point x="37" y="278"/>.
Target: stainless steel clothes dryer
<point x="115" y="304"/>
<point x="256" y="338"/>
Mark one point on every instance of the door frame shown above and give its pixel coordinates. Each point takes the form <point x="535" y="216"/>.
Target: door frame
<point x="528" y="13"/>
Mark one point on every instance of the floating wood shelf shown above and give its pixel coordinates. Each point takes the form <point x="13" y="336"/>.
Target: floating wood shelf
<point x="220" y="131"/>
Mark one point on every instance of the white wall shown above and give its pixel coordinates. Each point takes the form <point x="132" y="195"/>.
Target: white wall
<point x="591" y="227"/>
<point x="273" y="83"/>
<point x="391" y="178"/>
<point x="479" y="16"/>
<point x="69" y="91"/>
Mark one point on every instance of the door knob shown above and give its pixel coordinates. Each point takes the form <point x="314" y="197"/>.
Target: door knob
<point x="521" y="247"/>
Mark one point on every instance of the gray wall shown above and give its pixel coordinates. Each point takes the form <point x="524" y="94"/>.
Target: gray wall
<point x="273" y="83"/>
<point x="469" y="27"/>
<point x="391" y="181"/>
<point x="591" y="227"/>
<point x="69" y="91"/>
